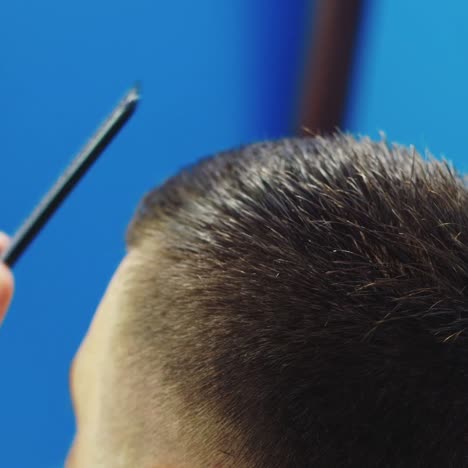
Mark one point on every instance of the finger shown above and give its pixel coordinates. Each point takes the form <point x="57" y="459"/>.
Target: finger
<point x="6" y="279"/>
<point x="6" y="289"/>
<point x="4" y="241"/>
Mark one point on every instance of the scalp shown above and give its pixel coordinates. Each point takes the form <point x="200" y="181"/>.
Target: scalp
<point x="306" y="300"/>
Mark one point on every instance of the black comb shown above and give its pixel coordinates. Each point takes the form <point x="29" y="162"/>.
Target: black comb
<point x="71" y="176"/>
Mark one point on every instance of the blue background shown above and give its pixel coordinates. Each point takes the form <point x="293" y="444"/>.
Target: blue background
<point x="215" y="74"/>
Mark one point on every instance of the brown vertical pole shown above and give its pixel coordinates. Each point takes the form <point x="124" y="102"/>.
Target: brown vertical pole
<point x="329" y="65"/>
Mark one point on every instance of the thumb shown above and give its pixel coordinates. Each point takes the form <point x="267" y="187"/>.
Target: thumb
<point x="6" y="280"/>
<point x="6" y="289"/>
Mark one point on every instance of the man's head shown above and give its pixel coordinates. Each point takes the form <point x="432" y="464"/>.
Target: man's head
<point x="287" y="304"/>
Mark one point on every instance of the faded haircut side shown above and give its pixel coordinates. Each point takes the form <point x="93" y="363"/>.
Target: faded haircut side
<point x="304" y="302"/>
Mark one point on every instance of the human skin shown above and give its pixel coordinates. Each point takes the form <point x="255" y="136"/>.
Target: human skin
<point x="6" y="280"/>
<point x="89" y="380"/>
<point x="89" y="377"/>
<point x="85" y="386"/>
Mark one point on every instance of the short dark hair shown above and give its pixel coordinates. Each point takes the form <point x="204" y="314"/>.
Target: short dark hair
<point x="312" y="299"/>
